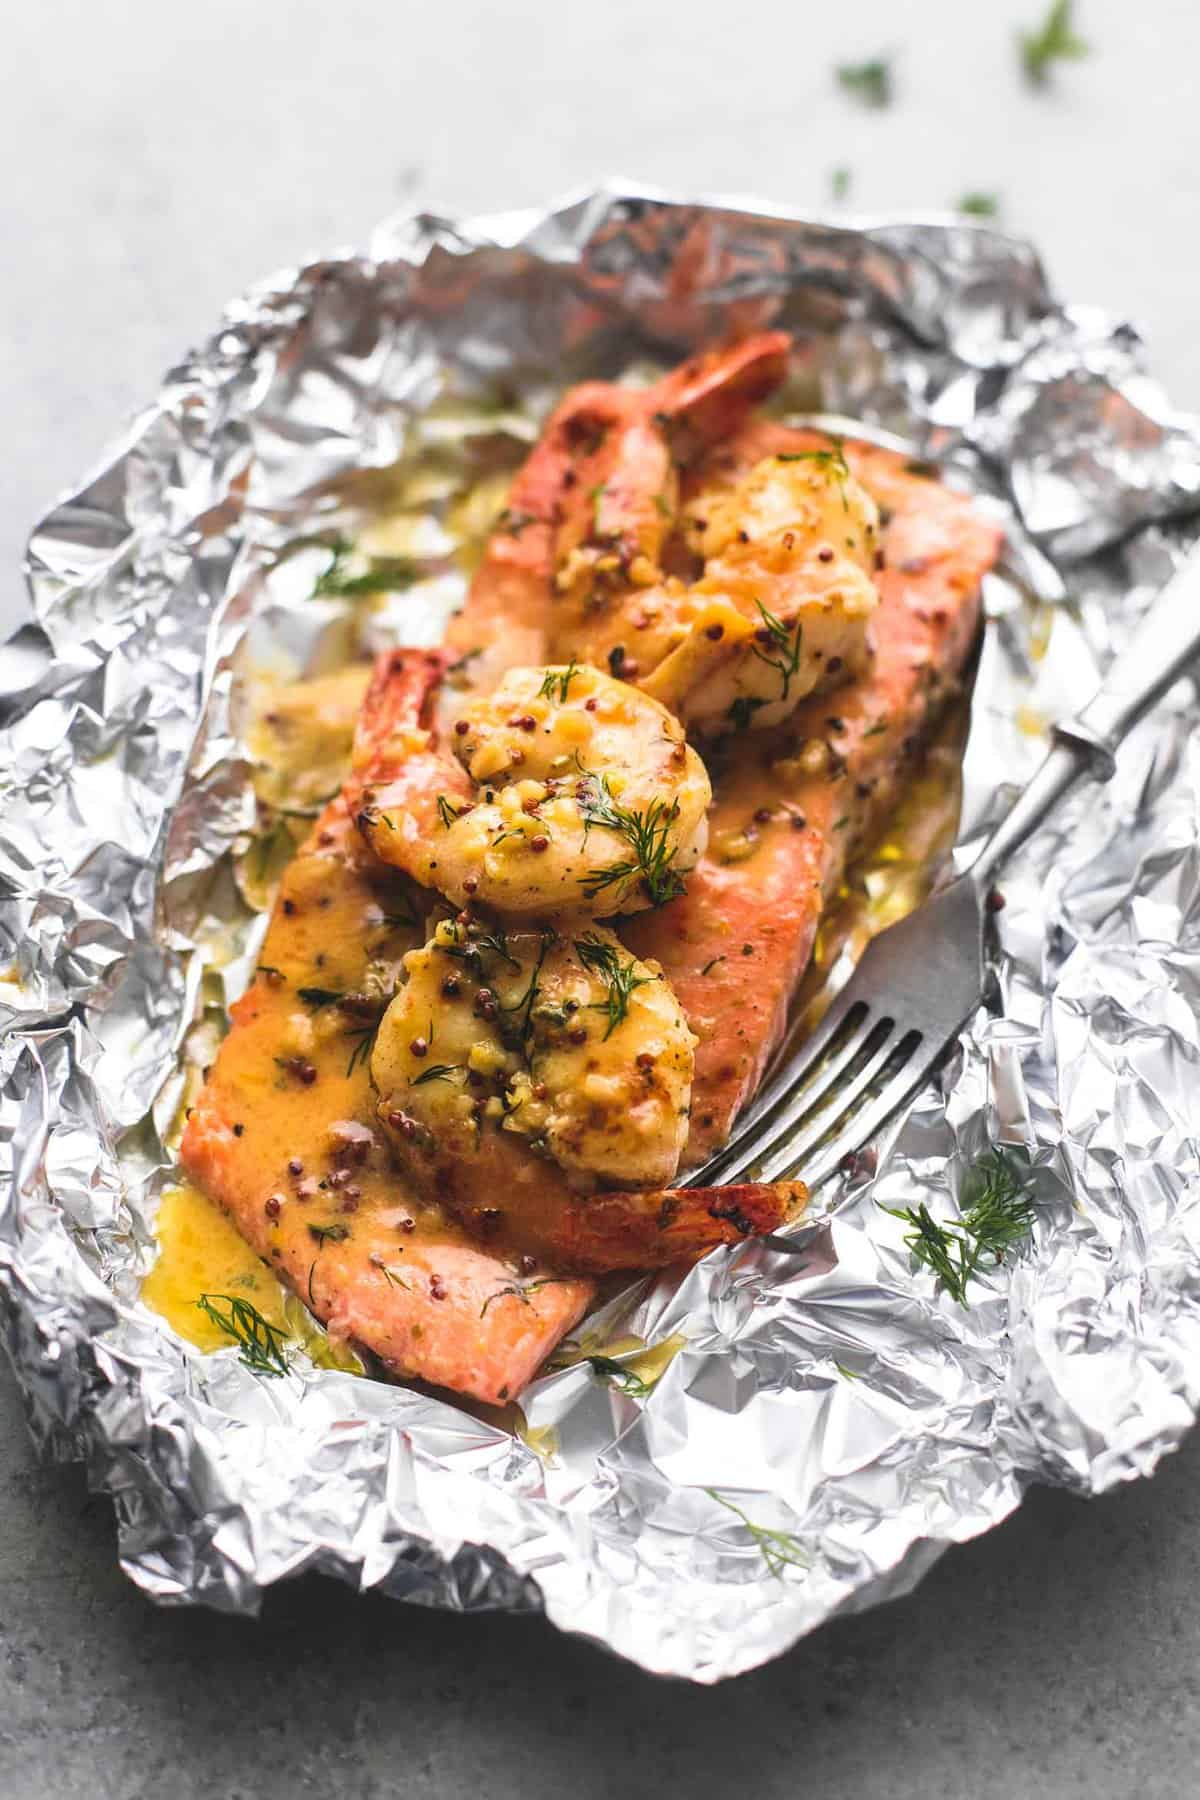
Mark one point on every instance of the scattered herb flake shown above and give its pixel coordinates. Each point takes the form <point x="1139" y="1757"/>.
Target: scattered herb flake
<point x="840" y="182"/>
<point x="870" y="82"/>
<point x="447" y="811"/>
<point x="743" y="710"/>
<point x="329" y="1234"/>
<point x="979" y="205"/>
<point x="1054" y="41"/>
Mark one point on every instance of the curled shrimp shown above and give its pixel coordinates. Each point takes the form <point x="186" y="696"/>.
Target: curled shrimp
<point x="518" y="1070"/>
<point x="607" y="456"/>
<point x="558" y="1035"/>
<point x="561" y="791"/>
<point x="780" y="610"/>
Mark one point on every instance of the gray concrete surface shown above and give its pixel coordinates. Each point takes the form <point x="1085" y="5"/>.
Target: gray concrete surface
<point x="154" y="158"/>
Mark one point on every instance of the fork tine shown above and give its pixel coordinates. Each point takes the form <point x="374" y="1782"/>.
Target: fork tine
<point x="795" y="1076"/>
<point x="801" y="1128"/>
<point x="862" y="1126"/>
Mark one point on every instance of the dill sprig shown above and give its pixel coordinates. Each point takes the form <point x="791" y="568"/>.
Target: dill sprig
<point x="522" y="1290"/>
<point x="556" y="682"/>
<point x="436" y="1072"/>
<point x="448" y="812"/>
<point x="523" y="1006"/>
<point x="648" y="835"/>
<point x="618" y="1376"/>
<point x="998" y="1212"/>
<point x="380" y="574"/>
<point x="259" y="1342"/>
<point x="780" y="1550"/>
<point x="1055" y="40"/>
<point x="786" y="642"/>
<point x="364" y="1045"/>
<point x="870" y="82"/>
<point x="479" y="944"/>
<point x="621" y="979"/>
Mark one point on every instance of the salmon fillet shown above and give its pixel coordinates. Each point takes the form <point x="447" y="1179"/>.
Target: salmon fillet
<point x="285" y="1139"/>
<point x="794" y="804"/>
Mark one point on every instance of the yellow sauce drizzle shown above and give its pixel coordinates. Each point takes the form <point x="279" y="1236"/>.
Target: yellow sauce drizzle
<point x="200" y="1252"/>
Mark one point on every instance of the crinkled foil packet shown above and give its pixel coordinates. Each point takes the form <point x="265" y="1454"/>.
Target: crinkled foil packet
<point x="831" y="1421"/>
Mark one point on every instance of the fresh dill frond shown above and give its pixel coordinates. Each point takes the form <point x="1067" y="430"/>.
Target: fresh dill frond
<point x="475" y="945"/>
<point x="364" y="1045"/>
<point x="998" y="1212"/>
<point x="787" y="643"/>
<point x="436" y="1072"/>
<point x="621" y="979"/>
<point x="556" y="682"/>
<point x="648" y="835"/>
<point x="1055" y="40"/>
<point x="618" y="1376"/>
<point x="447" y="811"/>
<point x="870" y="82"/>
<point x="380" y="574"/>
<point x="780" y="1550"/>
<point x="259" y="1342"/>
<point x="523" y="1007"/>
<point x="522" y="1290"/>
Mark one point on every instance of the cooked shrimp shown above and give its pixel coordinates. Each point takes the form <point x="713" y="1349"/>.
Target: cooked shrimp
<point x="564" y="791"/>
<point x="557" y="1035"/>
<point x="606" y="462"/>
<point x="780" y="611"/>
<point x="516" y="1070"/>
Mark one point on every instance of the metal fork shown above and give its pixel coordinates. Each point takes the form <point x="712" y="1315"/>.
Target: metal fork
<point x="919" y="981"/>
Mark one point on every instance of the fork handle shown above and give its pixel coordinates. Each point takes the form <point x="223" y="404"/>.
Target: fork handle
<point x="1162" y="647"/>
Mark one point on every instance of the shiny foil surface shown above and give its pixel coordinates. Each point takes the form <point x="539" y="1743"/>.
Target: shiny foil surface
<point x="831" y="1421"/>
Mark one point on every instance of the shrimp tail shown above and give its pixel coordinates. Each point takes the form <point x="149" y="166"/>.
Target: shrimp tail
<point x="396" y="703"/>
<point x="650" y="1230"/>
<point x="645" y="1230"/>
<point x="711" y="395"/>
<point x="399" y="772"/>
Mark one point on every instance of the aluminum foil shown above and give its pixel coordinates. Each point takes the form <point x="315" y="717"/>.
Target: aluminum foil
<point x="833" y="1398"/>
